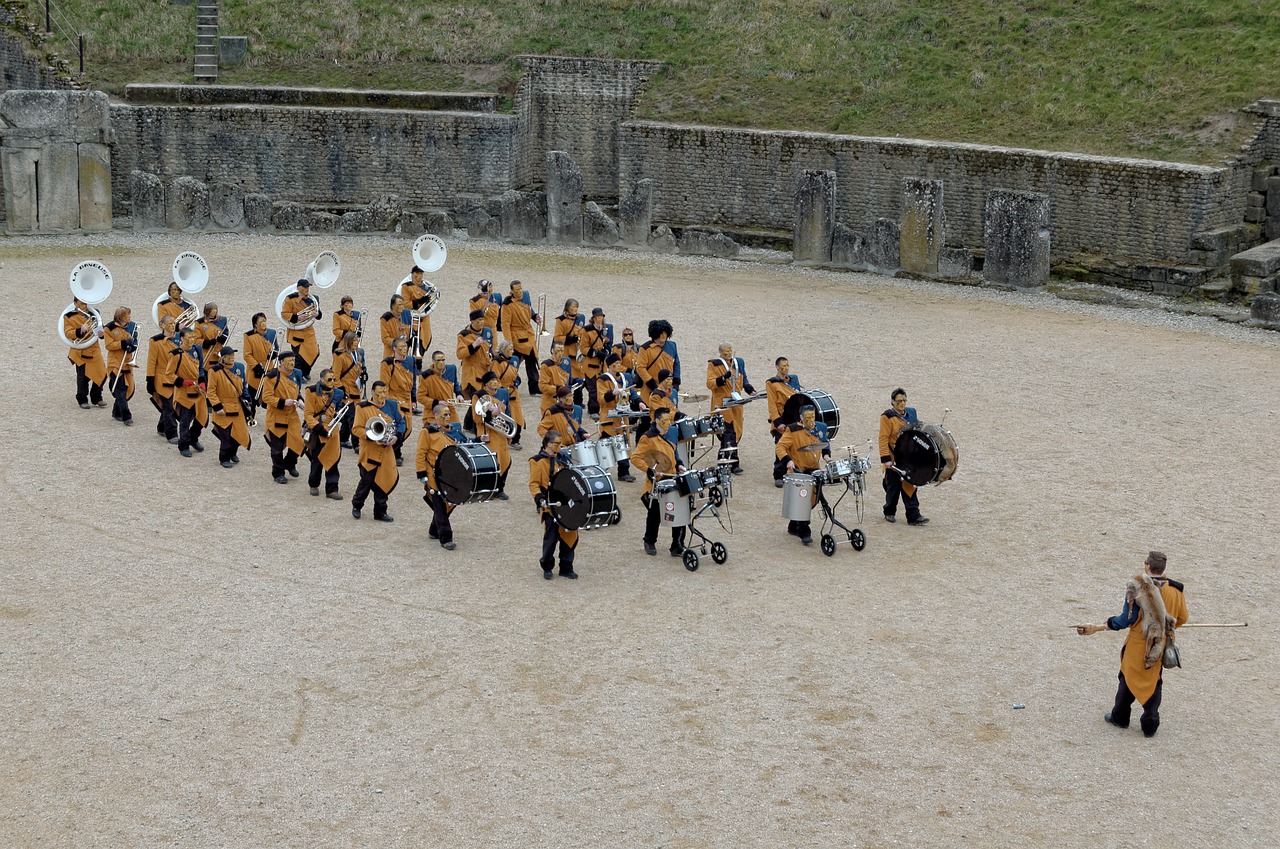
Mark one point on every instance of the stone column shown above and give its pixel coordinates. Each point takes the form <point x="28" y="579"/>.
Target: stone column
<point x="815" y="205"/>
<point x="635" y="214"/>
<point x="1016" y="232"/>
<point x="922" y="226"/>
<point x="564" y="199"/>
<point x="55" y="161"/>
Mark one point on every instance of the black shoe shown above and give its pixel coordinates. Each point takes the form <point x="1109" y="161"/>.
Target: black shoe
<point x="293" y="473"/>
<point x="196" y="445"/>
<point x="173" y="440"/>
<point x="516" y="446"/>
<point x="335" y="496"/>
<point x="355" y="512"/>
<point x="737" y="470"/>
<point x="627" y="478"/>
<point x="547" y="574"/>
<point x="806" y="539"/>
<point x="1149" y="734"/>
<point x="921" y="521"/>
<point x="777" y="484"/>
<point x="315" y="490"/>
<point x="502" y="496"/>
<point x="84" y="405"/>
<point x="793" y="532"/>
<point x="890" y="518"/>
<point x="571" y="575"/>
<point x="116" y="416"/>
<point x="127" y="422"/>
<point x="185" y="452"/>
<point x="235" y="459"/>
<point x="226" y="464"/>
<point x="677" y="552"/>
<point x="449" y="546"/>
<point x="432" y="535"/>
<point x="281" y="479"/>
<point x="383" y="518"/>
<point x="99" y="403"/>
<point x="1111" y="721"/>
<point x="651" y="550"/>
<point x="399" y="461"/>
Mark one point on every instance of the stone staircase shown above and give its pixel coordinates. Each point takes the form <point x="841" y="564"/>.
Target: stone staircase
<point x="206" y="42"/>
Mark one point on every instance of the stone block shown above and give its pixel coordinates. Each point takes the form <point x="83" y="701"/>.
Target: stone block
<point x="1016" y="232"/>
<point x="232" y="50"/>
<point x="707" y="243"/>
<point x="635" y="214"/>
<point x="411" y="224"/>
<point x="1265" y="311"/>
<point x="1255" y="216"/>
<point x="257" y="211"/>
<point x="1271" y="230"/>
<point x="146" y="191"/>
<point x="58" y="114"/>
<point x="323" y="222"/>
<point x="1262" y="261"/>
<point x="955" y="263"/>
<point x="226" y="206"/>
<point x="18" y="170"/>
<point x="921" y="230"/>
<point x="58" y="187"/>
<point x="524" y="216"/>
<point x="290" y="217"/>
<point x="356" y="221"/>
<point x="437" y="222"/>
<point x="662" y="240"/>
<point x="849" y="247"/>
<point x="471" y="216"/>
<point x="489" y="227"/>
<point x="882" y="247"/>
<point x="598" y="229"/>
<point x="186" y="204"/>
<point x="564" y="199"/>
<point x="95" y="187"/>
<point x="1255" y="200"/>
<point x="1273" y="197"/>
<point x="384" y="211"/>
<point x="815" y="216"/>
<point x="1260" y="175"/>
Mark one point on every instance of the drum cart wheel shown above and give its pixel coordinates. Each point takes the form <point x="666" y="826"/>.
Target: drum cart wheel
<point x="690" y="558"/>
<point x="857" y="539"/>
<point x="719" y="553"/>
<point x="715" y="496"/>
<point x="828" y="545"/>
<point x="616" y="517"/>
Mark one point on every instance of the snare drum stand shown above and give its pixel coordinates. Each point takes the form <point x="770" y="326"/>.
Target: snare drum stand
<point x="717" y="499"/>
<point x="857" y="539"/>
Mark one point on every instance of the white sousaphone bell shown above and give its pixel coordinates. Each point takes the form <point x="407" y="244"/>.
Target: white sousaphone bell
<point x="322" y="272"/>
<point x="191" y="273"/>
<point x="429" y="254"/>
<point x="90" y="283"/>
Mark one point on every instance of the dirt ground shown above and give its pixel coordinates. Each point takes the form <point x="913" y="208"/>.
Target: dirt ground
<point x="198" y="657"/>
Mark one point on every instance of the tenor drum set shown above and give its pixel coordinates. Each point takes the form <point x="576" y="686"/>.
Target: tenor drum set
<point x="802" y="492"/>
<point x="685" y="498"/>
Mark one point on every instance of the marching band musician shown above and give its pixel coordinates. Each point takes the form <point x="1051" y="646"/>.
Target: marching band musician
<point x="283" y="429"/>
<point x="552" y="375"/>
<point x="159" y="386"/>
<point x="78" y="324"/>
<point x="258" y="348"/>
<point x="348" y="365"/>
<point x="433" y="439"/>
<point x="210" y="332"/>
<point x="496" y="439"/>
<point x="654" y="356"/>
<point x="808" y="431"/>
<point x="474" y="353"/>
<point x="506" y="367"/>
<point x="121" y="336"/>
<point x="345" y="320"/>
<point x="517" y="321"/>
<point x="612" y="392"/>
<point x="628" y="350"/>
<point x="302" y="341"/>
<point x="400" y="373"/>
<point x="568" y="332"/>
<point x="486" y="299"/>
<point x="183" y="374"/>
<point x="662" y="398"/>
<point x="892" y="421"/>
<point x="174" y="305"/>
<point x="415" y="298"/>
<point x="226" y="403"/>
<point x="438" y="384"/>
<point x="726" y="375"/>
<point x="324" y="401"/>
<point x="393" y="326"/>
<point x="596" y="342"/>
<point x="378" y="472"/>
<point x="542" y="468"/>
<point x="657" y="456"/>
<point x="563" y="417"/>
<point x="778" y="389"/>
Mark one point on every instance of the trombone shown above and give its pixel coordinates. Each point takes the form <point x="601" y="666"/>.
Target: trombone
<point x="542" y="324"/>
<point x="337" y="419"/>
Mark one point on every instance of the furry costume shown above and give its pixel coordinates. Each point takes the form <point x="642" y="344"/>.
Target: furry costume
<point x="1156" y="623"/>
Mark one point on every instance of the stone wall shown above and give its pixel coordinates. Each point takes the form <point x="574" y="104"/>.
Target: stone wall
<point x="1099" y="205"/>
<point x="325" y="157"/>
<point x="575" y="105"/>
<point x="222" y="95"/>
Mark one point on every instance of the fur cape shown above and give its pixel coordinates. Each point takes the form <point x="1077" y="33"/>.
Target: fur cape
<point x="1156" y="622"/>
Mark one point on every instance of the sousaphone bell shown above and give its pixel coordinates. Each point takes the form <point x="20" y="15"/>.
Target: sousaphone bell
<point x="91" y="284"/>
<point x="191" y="273"/>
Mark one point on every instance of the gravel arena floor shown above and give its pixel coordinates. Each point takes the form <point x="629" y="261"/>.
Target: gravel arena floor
<point x="196" y="657"/>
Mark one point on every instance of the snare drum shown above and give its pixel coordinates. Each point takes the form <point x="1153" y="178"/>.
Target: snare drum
<point x="926" y="454"/>
<point x="798" y="497"/>
<point x="825" y="407"/>
<point x="674" y="507"/>
<point x="838" y="470"/>
<point x="583" y="498"/>
<point x="583" y="454"/>
<point x="467" y="473"/>
<point x="605" y="458"/>
<point x="707" y="425"/>
<point x="683" y="430"/>
<point x="621" y="450"/>
<point x="688" y="483"/>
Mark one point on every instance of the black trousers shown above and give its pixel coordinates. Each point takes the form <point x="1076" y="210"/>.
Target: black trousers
<point x="189" y="428"/>
<point x="227" y="445"/>
<point x="302" y="364"/>
<point x="531" y="369"/>
<point x="892" y="489"/>
<point x="330" y="476"/>
<point x="550" y="540"/>
<point x="1121" y="710"/>
<point x="593" y="400"/>
<point x="515" y="440"/>
<point x="367" y="486"/>
<point x="282" y="457"/>
<point x="168" y="424"/>
<point x="653" y="519"/>
<point x="120" y="409"/>
<point x="86" y="390"/>
<point x="729" y="445"/>
<point x="440" y="528"/>
<point x="800" y="529"/>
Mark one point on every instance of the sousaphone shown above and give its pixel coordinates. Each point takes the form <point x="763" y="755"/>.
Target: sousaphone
<point x="322" y="272"/>
<point x="90" y="283"/>
<point x="191" y="273"/>
<point x="429" y="254"/>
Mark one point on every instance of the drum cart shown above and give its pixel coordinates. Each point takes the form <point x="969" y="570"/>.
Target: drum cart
<point x="677" y="498"/>
<point x="852" y="474"/>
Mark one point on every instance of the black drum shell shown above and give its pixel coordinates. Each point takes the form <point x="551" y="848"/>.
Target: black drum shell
<point x="582" y="498"/>
<point x="466" y="473"/>
<point x="825" y="408"/>
<point x="917" y="456"/>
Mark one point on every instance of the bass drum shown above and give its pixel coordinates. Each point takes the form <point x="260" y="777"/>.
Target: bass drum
<point x="828" y="412"/>
<point x="583" y="498"/>
<point x="467" y="473"/>
<point x="926" y="454"/>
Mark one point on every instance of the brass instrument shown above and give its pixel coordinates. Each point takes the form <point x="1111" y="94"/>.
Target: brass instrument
<point x="337" y="419"/>
<point x="488" y="411"/>
<point x="378" y="429"/>
<point x="542" y="324"/>
<point x="191" y="273"/>
<point x="90" y="284"/>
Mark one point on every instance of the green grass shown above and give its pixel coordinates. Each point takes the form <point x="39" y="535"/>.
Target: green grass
<point x="1163" y="79"/>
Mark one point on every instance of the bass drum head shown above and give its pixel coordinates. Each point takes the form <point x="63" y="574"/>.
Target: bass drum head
<point x="828" y="412"/>
<point x="917" y="455"/>
<point x="467" y="473"/>
<point x="583" y="498"/>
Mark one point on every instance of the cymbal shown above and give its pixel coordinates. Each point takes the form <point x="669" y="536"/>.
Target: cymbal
<point x="817" y="446"/>
<point x="694" y="399"/>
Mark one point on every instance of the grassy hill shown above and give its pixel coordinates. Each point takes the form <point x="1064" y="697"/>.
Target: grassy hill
<point x="1163" y="79"/>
